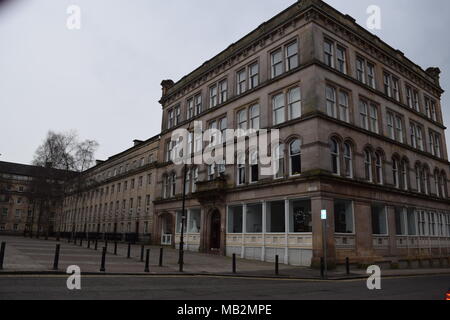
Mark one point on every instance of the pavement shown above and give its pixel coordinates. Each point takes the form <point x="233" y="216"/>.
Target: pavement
<point x="36" y="256"/>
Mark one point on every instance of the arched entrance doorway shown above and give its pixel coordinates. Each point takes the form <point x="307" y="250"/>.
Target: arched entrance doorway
<point x="215" y="232"/>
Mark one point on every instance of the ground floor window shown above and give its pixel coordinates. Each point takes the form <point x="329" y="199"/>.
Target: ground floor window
<point x="254" y="219"/>
<point x="300" y="218"/>
<point x="422" y="223"/>
<point x="401" y="221"/>
<point x="275" y="217"/>
<point x="235" y="219"/>
<point x="343" y="216"/>
<point x="194" y="220"/>
<point x="411" y="219"/>
<point x="179" y="221"/>
<point x="379" y="220"/>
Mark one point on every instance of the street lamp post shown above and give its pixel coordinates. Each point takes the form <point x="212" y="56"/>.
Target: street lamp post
<point x="183" y="218"/>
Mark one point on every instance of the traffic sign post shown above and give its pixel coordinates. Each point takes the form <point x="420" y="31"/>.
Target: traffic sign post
<point x="323" y="216"/>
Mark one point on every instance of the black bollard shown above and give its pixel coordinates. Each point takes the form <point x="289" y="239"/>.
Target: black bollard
<point x="115" y="248"/>
<point x="102" y="267"/>
<point x="129" y="250"/>
<point x="89" y="244"/>
<point x="161" y="252"/>
<point x="277" y="270"/>
<point x="81" y="242"/>
<point x="347" y="265"/>
<point x="322" y="268"/>
<point x="96" y="244"/>
<point x="142" y="253"/>
<point x="56" y="261"/>
<point x="2" y="254"/>
<point x="234" y="262"/>
<point x="147" y="261"/>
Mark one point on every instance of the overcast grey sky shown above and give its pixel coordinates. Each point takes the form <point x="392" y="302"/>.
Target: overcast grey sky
<point x="104" y="80"/>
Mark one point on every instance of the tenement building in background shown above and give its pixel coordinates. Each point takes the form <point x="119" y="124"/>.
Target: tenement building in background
<point x="114" y="198"/>
<point x="30" y="198"/>
<point x="361" y="136"/>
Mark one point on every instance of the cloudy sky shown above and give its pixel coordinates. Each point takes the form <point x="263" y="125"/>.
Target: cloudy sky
<point x="104" y="80"/>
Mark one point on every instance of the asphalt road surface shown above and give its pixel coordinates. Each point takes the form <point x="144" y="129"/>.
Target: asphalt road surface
<point x="219" y="288"/>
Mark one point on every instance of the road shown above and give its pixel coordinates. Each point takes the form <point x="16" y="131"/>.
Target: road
<point x="219" y="288"/>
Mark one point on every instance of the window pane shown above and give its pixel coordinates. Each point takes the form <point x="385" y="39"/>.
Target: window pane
<point x="254" y="218"/>
<point x="300" y="219"/>
<point x="235" y="219"/>
<point x="343" y="216"/>
<point x="275" y="217"/>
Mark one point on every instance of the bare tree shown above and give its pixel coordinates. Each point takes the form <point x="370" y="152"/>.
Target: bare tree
<point x="64" y="151"/>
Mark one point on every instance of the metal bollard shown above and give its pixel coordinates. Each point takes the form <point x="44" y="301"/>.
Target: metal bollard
<point x="347" y="265"/>
<point x="56" y="261"/>
<point x="102" y="267"/>
<point x="2" y="254"/>
<point x="322" y="268"/>
<point x="147" y="261"/>
<point x="234" y="262"/>
<point x="129" y="250"/>
<point x="89" y="244"/>
<point x="142" y="253"/>
<point x="115" y="248"/>
<point x="277" y="270"/>
<point x="161" y="252"/>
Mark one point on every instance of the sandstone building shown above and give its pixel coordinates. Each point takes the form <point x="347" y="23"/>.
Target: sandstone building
<point x="361" y="136"/>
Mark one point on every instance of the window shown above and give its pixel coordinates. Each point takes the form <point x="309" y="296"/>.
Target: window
<point x="379" y="168"/>
<point x="213" y="98"/>
<point x="435" y="144"/>
<point x="235" y="221"/>
<point x="416" y="103"/>
<point x="409" y="97"/>
<point x="295" y="157"/>
<point x="343" y="106"/>
<point x="331" y="101"/>
<point x="363" y="115"/>
<point x="341" y="59"/>
<point x="379" y="220"/>
<point x="278" y="109"/>
<point x="395" y="175"/>
<point x="426" y="180"/>
<point x="211" y="172"/>
<point x="395" y="89"/>
<point x="241" y="81"/>
<point x="173" y="183"/>
<point x="279" y="156"/>
<point x="361" y="70"/>
<point x="294" y="103"/>
<point x="401" y="223"/>
<point x="242" y="119"/>
<point x="254" y="117"/>
<point x="417" y="136"/>
<point x="194" y="179"/>
<point x="437" y="183"/>
<point x="254" y="167"/>
<point x="371" y="75"/>
<point x="223" y="89"/>
<point x="334" y="151"/>
<point x="387" y="85"/>
<point x="254" y="219"/>
<point x="443" y="184"/>
<point x="390" y="125"/>
<point x="275" y="217"/>
<point x="399" y="129"/>
<point x="277" y="63"/>
<point x="190" y="108"/>
<point x="198" y="104"/>
<point x="373" y="115"/>
<point x="291" y="56"/>
<point x="419" y="177"/>
<point x="253" y="76"/>
<point x="300" y="217"/>
<point x="241" y="169"/>
<point x="348" y="160"/>
<point x="328" y="53"/>
<point x="171" y="119"/>
<point x="343" y="216"/>
<point x="368" y="165"/>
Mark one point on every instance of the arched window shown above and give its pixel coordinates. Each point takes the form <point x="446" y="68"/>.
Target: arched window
<point x="426" y="180"/>
<point x="165" y="187"/>
<point x="395" y="176"/>
<point x="295" y="158"/>
<point x="254" y="117"/>
<point x="437" y="185"/>
<point x="334" y="151"/>
<point x="279" y="157"/>
<point x="379" y="168"/>
<point x="443" y="184"/>
<point x="405" y="175"/>
<point x="348" y="160"/>
<point x="419" y="181"/>
<point x="278" y="109"/>
<point x="368" y="165"/>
